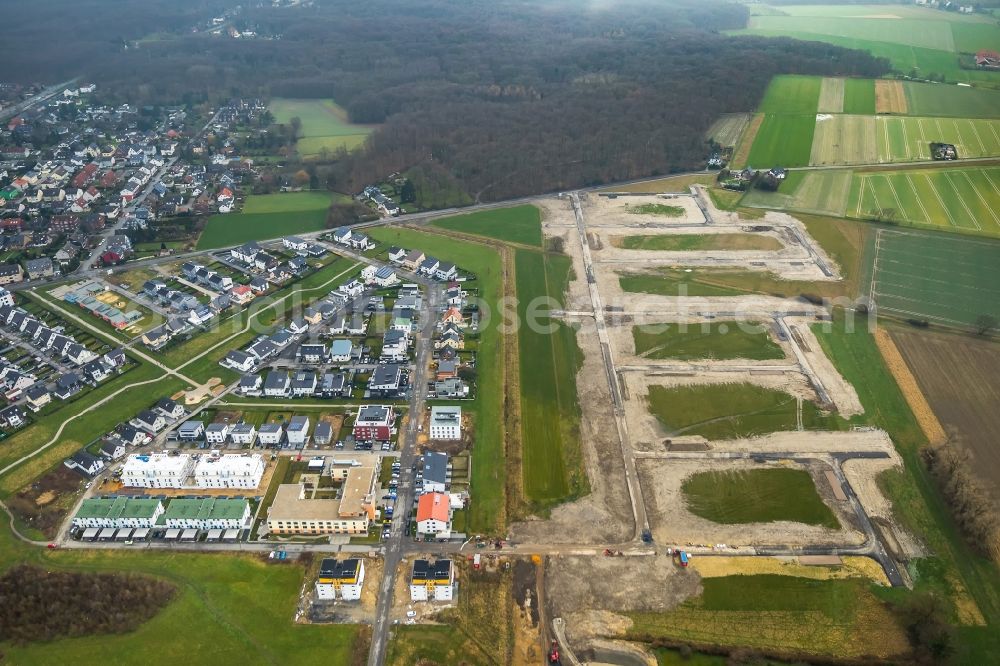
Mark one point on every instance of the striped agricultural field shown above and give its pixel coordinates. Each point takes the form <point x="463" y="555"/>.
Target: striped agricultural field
<point x="844" y="139"/>
<point x="831" y="95"/>
<point x="954" y="199"/>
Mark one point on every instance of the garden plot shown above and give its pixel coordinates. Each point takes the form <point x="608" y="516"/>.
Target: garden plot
<point x="672" y="523"/>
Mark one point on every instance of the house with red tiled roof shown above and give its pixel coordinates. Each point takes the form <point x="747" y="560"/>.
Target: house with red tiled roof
<point x="434" y="515"/>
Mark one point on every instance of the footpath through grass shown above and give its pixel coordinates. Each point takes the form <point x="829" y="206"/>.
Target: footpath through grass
<point x="737" y="497"/>
<point x="488" y="454"/>
<point x="549" y="359"/>
<point x="715" y="340"/>
<point x="518" y="224"/>
<point x="729" y="411"/>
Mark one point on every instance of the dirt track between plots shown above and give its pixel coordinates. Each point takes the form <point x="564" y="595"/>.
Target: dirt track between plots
<point x="915" y="398"/>
<point x="890" y="97"/>
<point x="742" y="152"/>
<point x="672" y="523"/>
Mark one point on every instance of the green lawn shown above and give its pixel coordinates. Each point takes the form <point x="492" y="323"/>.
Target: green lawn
<point x="729" y="411"/>
<point x="783" y="140"/>
<point x="859" y="96"/>
<point x="716" y="340"/>
<point x="518" y="224"/>
<point x="289" y="202"/>
<point x="791" y="94"/>
<point x="486" y="512"/>
<point x="695" y="242"/>
<point x="228" y="609"/>
<point x="549" y="360"/>
<point x="236" y="228"/>
<point x="325" y="126"/>
<point x="757" y="496"/>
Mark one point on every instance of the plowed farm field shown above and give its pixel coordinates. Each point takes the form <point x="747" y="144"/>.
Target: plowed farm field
<point x="960" y="377"/>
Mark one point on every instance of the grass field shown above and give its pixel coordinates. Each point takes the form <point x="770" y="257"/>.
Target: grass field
<point x="518" y="224"/>
<point x="941" y="278"/>
<point x="717" y="340"/>
<point x="952" y="199"/>
<point x="692" y="242"/>
<point x="792" y="94"/>
<point x="231" y="608"/>
<point x="486" y="513"/>
<point x="757" y="496"/>
<point x="236" y="228"/>
<point x="820" y="192"/>
<point x="668" y="184"/>
<point x="829" y="617"/>
<point x="727" y="411"/>
<point x="916" y="32"/>
<point x="783" y="140"/>
<point x="289" y="202"/>
<point x="551" y="457"/>
<point x="859" y="96"/>
<point x="325" y="126"/>
<point x="671" y="282"/>
<point x="931" y="99"/>
<point x="853" y="139"/>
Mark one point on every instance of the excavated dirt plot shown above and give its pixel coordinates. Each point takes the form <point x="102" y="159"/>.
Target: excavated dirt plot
<point x="671" y="523"/>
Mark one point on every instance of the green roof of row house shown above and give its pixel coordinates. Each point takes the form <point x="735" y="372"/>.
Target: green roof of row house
<point x="113" y="508"/>
<point x="205" y="509"/>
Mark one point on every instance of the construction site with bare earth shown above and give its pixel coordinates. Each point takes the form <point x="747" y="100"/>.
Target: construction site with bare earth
<point x="724" y="448"/>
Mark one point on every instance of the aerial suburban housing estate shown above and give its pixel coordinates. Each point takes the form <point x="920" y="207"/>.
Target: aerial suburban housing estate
<point x="489" y="332"/>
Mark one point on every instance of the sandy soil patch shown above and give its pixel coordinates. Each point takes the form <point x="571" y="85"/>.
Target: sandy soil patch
<point x="863" y="475"/>
<point x="641" y="583"/>
<point x="744" y="565"/>
<point x="605" y="211"/>
<point x="793" y="441"/>
<point x="890" y="97"/>
<point x="672" y="523"/>
<point x="841" y="393"/>
<point x="212" y="387"/>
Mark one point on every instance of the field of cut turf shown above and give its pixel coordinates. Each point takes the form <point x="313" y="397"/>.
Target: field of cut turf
<point x="859" y="96"/>
<point x="935" y="99"/>
<point x="757" y="496"/>
<point x="325" y="126"/>
<point x="728" y="411"/>
<point x="519" y="224"/>
<point x="288" y="202"/>
<point x="852" y="139"/>
<point x="715" y="340"/>
<point x="783" y="140"/>
<point x="791" y="94"/>
<point x="949" y="199"/>
<point x="236" y="228"/>
<point x="549" y="360"/>
<point x="820" y="192"/>
<point x="937" y="277"/>
<point x="694" y="242"/>
<point x="726" y="131"/>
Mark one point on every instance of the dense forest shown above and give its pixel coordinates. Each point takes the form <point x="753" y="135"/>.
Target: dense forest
<point x="39" y="605"/>
<point x="505" y="98"/>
